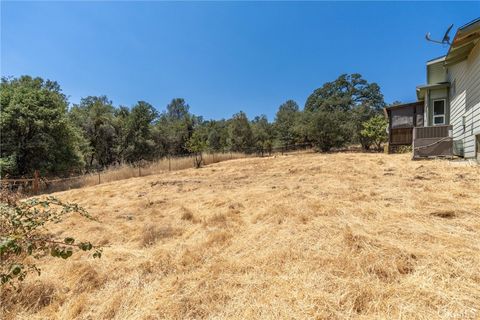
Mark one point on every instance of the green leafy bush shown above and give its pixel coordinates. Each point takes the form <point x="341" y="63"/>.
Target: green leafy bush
<point x="329" y="129"/>
<point x="375" y="129"/>
<point x="197" y="144"/>
<point x="23" y="234"/>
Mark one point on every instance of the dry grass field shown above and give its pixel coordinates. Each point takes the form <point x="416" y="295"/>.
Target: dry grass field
<point x="126" y="171"/>
<point x="308" y="236"/>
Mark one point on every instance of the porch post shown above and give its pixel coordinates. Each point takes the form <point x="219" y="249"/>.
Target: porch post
<point x="426" y="119"/>
<point x="413" y="141"/>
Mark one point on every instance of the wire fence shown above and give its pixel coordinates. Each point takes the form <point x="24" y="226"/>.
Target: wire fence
<point x="37" y="184"/>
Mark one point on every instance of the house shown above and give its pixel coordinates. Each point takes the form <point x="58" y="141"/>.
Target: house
<point x="445" y="121"/>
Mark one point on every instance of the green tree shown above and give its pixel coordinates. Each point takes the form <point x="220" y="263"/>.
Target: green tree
<point x="197" y="144"/>
<point x="217" y="135"/>
<point x="95" y="116"/>
<point x="36" y="131"/>
<point x="285" y="123"/>
<point x="375" y="129"/>
<point x="352" y="94"/>
<point x="346" y="92"/>
<point x="263" y="134"/>
<point x="301" y="127"/>
<point x="175" y="127"/>
<point x="240" y="136"/>
<point x="327" y="129"/>
<point x="120" y="123"/>
<point x="139" y="138"/>
<point x="178" y="109"/>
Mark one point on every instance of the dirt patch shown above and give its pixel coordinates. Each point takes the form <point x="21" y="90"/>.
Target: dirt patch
<point x="173" y="183"/>
<point x="446" y="214"/>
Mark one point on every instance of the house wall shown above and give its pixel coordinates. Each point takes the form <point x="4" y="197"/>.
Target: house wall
<point x="436" y="73"/>
<point x="464" y="80"/>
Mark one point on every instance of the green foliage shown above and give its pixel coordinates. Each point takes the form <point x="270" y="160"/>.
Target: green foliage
<point x="23" y="234"/>
<point x="329" y="129"/>
<point x="346" y="92"/>
<point x="197" y="144"/>
<point x="301" y="128"/>
<point x="8" y="164"/>
<point x="95" y="117"/>
<point x="375" y="129"/>
<point x="263" y="134"/>
<point x="240" y="136"/>
<point x="39" y="132"/>
<point x="217" y="135"/>
<point x="175" y="127"/>
<point x="286" y="120"/>
<point x="404" y="149"/>
<point x="178" y="109"/>
<point x="351" y="94"/>
<point x="36" y="132"/>
<point x="139" y="139"/>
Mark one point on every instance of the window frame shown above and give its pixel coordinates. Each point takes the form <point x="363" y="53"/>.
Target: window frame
<point x="444" y="115"/>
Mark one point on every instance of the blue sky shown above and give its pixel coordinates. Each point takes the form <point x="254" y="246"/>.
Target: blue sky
<point x="223" y="57"/>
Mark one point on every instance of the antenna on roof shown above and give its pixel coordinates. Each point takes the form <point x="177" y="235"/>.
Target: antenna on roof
<point x="446" y="37"/>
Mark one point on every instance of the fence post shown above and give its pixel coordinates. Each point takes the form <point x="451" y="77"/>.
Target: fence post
<point x="169" y="164"/>
<point x="35" y="181"/>
<point x="139" y="171"/>
<point x="98" y="177"/>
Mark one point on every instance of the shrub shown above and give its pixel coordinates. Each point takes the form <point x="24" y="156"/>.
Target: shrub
<point x="328" y="129"/>
<point x="22" y="234"/>
<point x="197" y="144"/>
<point x="404" y="149"/>
<point x="375" y="130"/>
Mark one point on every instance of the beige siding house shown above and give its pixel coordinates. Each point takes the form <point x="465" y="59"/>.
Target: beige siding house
<point x="464" y="78"/>
<point x="450" y="100"/>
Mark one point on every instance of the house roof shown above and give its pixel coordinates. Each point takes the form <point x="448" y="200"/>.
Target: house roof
<point x="464" y="41"/>
<point x="436" y="60"/>
<point x="404" y="105"/>
<point x="423" y="88"/>
<point x="399" y="106"/>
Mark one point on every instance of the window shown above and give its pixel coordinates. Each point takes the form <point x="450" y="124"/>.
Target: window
<point x="438" y="112"/>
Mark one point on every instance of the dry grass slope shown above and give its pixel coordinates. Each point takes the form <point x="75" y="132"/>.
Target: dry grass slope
<point x="126" y="171"/>
<point x="338" y="236"/>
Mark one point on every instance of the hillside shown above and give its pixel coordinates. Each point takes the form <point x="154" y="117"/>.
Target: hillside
<point x="326" y="236"/>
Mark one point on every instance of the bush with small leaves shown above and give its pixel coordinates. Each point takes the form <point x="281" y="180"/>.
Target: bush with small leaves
<point x="22" y="233"/>
<point x="375" y="130"/>
<point x="197" y="144"/>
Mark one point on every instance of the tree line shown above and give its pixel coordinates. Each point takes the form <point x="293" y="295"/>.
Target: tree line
<point x="40" y="130"/>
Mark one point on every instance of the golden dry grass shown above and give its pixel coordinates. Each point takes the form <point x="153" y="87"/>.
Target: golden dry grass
<point x="336" y="236"/>
<point x="127" y="171"/>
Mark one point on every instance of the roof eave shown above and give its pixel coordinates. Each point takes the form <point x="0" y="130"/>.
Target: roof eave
<point x="463" y="43"/>
<point x="436" y="60"/>
<point x="403" y="105"/>
<point x="422" y="89"/>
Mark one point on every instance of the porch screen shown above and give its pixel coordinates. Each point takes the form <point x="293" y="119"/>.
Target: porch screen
<point x="402" y="118"/>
